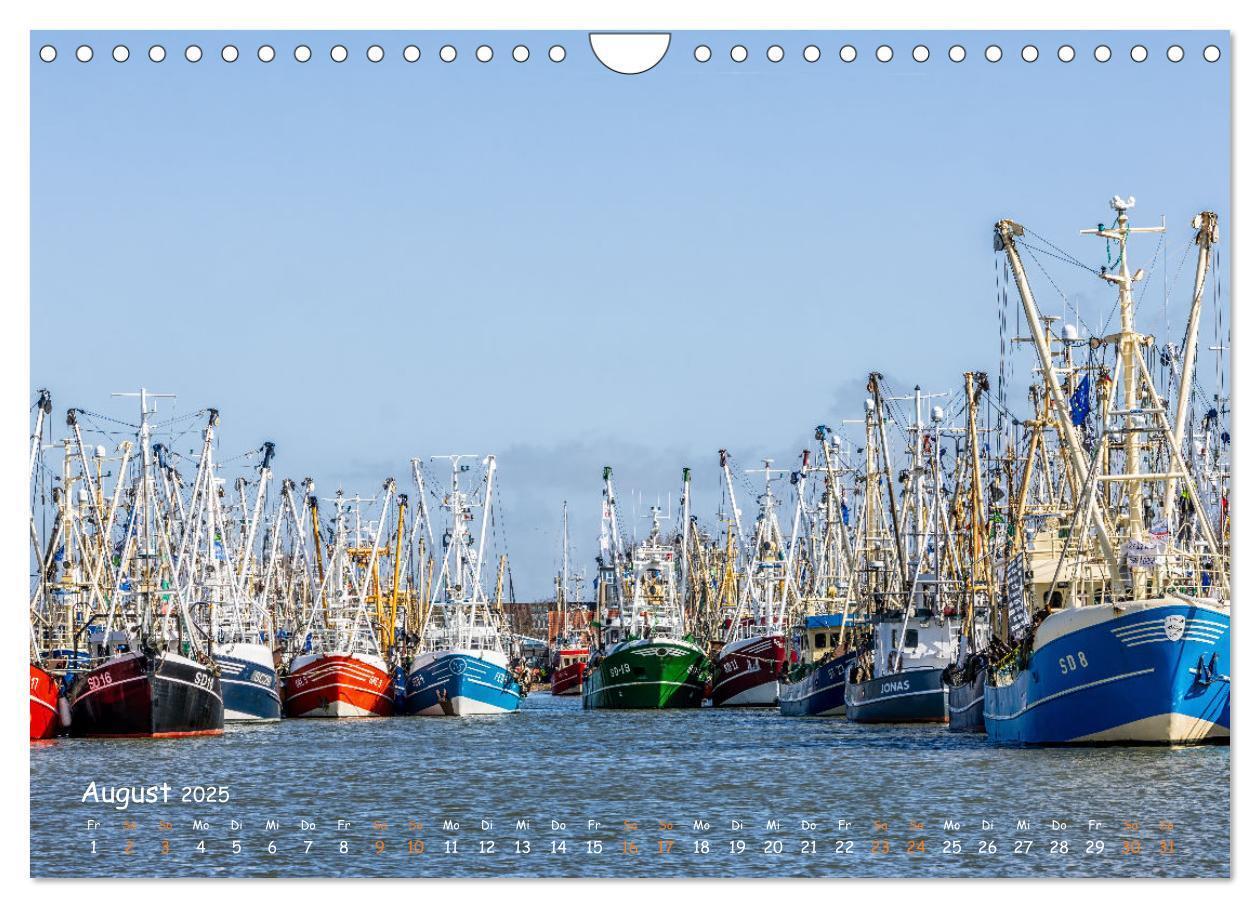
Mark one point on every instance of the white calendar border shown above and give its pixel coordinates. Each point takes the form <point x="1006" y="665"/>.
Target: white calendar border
<point x="552" y="14"/>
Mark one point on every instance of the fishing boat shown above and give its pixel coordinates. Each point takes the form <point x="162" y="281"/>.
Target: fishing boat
<point x="44" y="694"/>
<point x="251" y="690"/>
<point x="217" y="578"/>
<point x="823" y="637"/>
<point x="332" y="684"/>
<point x="245" y="647"/>
<point x="569" y="649"/>
<point x="818" y="688"/>
<point x="462" y="667"/>
<point x="147" y="694"/>
<point x="965" y="679"/>
<point x="645" y="657"/>
<point x="45" y="687"/>
<point x="568" y="669"/>
<point x="151" y="671"/>
<point x="752" y="660"/>
<point x="897" y="675"/>
<point x="898" y="679"/>
<point x="341" y="670"/>
<point x="1130" y="642"/>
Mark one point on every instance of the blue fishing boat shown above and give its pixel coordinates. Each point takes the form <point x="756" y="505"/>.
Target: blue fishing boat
<point x="462" y="666"/>
<point x="820" y="692"/>
<point x="966" y="694"/>
<point x="898" y="678"/>
<point x="461" y="683"/>
<point x="248" y="676"/>
<point x="1131" y="640"/>
<point x="1135" y="672"/>
<point x="817" y="689"/>
<point x="897" y="674"/>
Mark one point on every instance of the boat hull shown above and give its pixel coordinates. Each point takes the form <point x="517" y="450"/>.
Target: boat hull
<point x="461" y="683"/>
<point x="338" y="686"/>
<point x="250" y="690"/>
<point x="748" y="672"/>
<point x="966" y="703"/>
<point x="44" y="693"/>
<point x="567" y="680"/>
<point x="917" y="695"/>
<point x="820" y="693"/>
<point x="137" y="695"/>
<point x="1153" y="672"/>
<point x="656" y="673"/>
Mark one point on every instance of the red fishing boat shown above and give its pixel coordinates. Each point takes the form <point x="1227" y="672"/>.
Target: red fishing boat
<point x="748" y="671"/>
<point x="568" y="638"/>
<point x="568" y="669"/>
<point x="751" y="661"/>
<point x="43" y="704"/>
<point x="338" y="686"/>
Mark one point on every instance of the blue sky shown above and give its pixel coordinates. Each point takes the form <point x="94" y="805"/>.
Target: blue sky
<point x="365" y="262"/>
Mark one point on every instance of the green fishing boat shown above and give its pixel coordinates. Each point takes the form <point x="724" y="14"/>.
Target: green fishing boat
<point x="645" y="658"/>
<point x="647" y="673"/>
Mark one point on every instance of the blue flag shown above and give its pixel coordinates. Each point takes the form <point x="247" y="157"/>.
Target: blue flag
<point x="1080" y="402"/>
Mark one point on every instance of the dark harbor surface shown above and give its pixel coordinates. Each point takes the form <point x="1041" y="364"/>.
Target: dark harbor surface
<point x="639" y="794"/>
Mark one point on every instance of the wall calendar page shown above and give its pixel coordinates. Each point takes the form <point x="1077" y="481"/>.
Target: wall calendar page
<point x="678" y="453"/>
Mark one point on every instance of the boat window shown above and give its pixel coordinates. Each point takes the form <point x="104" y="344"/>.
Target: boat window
<point x="912" y="638"/>
<point x="835" y="639"/>
<point x="820" y="640"/>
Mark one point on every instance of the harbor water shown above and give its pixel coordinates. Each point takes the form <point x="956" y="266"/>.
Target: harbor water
<point x="556" y="791"/>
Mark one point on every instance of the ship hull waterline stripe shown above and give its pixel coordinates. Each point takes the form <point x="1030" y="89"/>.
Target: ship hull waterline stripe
<point x="1070" y="690"/>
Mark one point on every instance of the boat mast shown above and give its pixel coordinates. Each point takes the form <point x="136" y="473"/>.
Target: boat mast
<point x="264" y="478"/>
<point x="144" y="504"/>
<point x="562" y="588"/>
<point x="1137" y="379"/>
<point x="1128" y="342"/>
<point x="873" y="385"/>
<point x="975" y="503"/>
<point x="1006" y="232"/>
<point x="1206" y="223"/>
<point x="614" y="543"/>
<point x="685" y="562"/>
